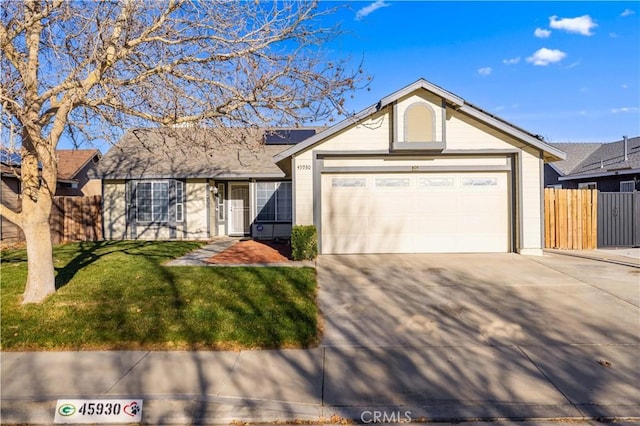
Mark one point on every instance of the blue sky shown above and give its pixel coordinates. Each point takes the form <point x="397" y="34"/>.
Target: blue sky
<point x="569" y="71"/>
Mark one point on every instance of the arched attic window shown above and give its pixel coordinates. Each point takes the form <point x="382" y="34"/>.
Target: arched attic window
<point x="419" y="121"/>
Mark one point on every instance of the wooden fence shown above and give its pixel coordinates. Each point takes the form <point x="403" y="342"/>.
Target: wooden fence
<point x="76" y="219"/>
<point x="570" y="218"/>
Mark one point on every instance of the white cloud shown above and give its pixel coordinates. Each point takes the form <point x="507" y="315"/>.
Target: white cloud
<point x="624" y="109"/>
<point x="613" y="35"/>
<point x="542" y="33"/>
<point x="543" y="57"/>
<point x="484" y="71"/>
<point x="625" y="86"/>
<point x="627" y="12"/>
<point x="580" y="25"/>
<point x="511" y="61"/>
<point x="368" y="10"/>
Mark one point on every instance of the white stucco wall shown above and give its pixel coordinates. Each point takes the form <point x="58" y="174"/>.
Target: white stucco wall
<point x="114" y="209"/>
<point x="462" y="132"/>
<point x="196" y="209"/>
<point x="531" y="195"/>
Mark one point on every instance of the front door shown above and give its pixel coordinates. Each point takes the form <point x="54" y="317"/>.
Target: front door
<point x="238" y="209"/>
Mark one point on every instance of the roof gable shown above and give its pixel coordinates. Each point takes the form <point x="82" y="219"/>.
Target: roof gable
<point x="72" y="161"/>
<point x="576" y="154"/>
<point x="551" y="153"/>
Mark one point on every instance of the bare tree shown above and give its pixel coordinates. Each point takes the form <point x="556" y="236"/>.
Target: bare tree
<point x="86" y="70"/>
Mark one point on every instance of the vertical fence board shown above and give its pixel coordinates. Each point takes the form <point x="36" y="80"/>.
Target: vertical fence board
<point x="76" y="219"/>
<point x="570" y="218"/>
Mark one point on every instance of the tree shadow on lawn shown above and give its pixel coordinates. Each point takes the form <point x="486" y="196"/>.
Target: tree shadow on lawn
<point x="87" y="253"/>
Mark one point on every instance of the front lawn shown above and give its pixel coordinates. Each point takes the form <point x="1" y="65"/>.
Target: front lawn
<point x="116" y="295"/>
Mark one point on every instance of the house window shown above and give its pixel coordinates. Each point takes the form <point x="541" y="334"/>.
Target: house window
<point x="588" y="185"/>
<point x="392" y="182"/>
<point x="627" y="186"/>
<point x="152" y="201"/>
<point x="179" y="201"/>
<point x="480" y="181"/>
<point x="348" y="182"/>
<point x="419" y="123"/>
<point x="435" y="182"/>
<point x="220" y="201"/>
<point x="274" y="201"/>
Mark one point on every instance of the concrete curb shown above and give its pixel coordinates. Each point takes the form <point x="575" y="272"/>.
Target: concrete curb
<point x="218" y="410"/>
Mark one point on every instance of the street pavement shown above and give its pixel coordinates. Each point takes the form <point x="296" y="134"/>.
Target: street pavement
<point x="445" y="338"/>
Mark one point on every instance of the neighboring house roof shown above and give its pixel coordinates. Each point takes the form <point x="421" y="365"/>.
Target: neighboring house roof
<point x="189" y="152"/>
<point x="585" y="160"/>
<point x="576" y="154"/>
<point x="551" y="153"/>
<point x="72" y="161"/>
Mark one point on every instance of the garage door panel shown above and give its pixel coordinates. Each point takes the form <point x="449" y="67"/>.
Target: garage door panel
<point x="390" y="243"/>
<point x="344" y="224"/>
<point x="465" y="212"/>
<point x="426" y="202"/>
<point x="433" y="224"/>
<point x="389" y="204"/>
<point x="344" y="243"/>
<point x="389" y="225"/>
<point x="483" y="203"/>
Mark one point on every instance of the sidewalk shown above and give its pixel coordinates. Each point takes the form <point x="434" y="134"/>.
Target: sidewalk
<point x="426" y="383"/>
<point x="625" y="256"/>
<point x="198" y="257"/>
<point x="218" y="245"/>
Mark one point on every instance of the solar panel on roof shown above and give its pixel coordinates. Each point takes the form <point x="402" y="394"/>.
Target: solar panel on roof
<point x="287" y="137"/>
<point x="9" y="157"/>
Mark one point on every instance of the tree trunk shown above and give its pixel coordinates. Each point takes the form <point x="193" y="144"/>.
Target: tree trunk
<point x="40" y="276"/>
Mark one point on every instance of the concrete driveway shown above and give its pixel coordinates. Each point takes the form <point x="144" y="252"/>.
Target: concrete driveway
<point x="503" y="330"/>
<point x="476" y="299"/>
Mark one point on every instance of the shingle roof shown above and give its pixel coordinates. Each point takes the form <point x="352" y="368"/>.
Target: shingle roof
<point x="191" y="153"/>
<point x="71" y="161"/>
<point x="576" y="154"/>
<point x="590" y="158"/>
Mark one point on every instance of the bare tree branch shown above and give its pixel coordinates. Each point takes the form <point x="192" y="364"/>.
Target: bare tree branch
<point x="86" y="70"/>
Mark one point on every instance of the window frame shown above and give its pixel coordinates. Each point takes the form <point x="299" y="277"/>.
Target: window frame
<point x="407" y="125"/>
<point x="152" y="183"/>
<point x="220" y="201"/>
<point x="276" y="200"/>
<point x="179" y="201"/>
<point x="585" y="185"/>
<point x="628" y="182"/>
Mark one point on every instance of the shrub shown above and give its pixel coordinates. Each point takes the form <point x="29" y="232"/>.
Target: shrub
<point x="304" y="242"/>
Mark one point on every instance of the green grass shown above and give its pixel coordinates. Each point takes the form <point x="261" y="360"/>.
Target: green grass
<point x="117" y="295"/>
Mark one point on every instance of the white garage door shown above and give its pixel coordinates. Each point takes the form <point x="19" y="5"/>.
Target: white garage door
<point x="415" y="213"/>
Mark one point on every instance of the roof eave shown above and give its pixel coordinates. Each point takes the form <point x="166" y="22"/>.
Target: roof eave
<point x="220" y="176"/>
<point x="552" y="154"/>
<point x="600" y="174"/>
